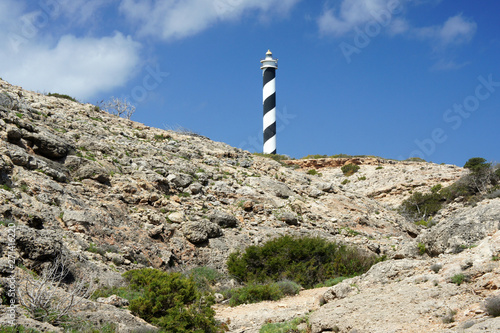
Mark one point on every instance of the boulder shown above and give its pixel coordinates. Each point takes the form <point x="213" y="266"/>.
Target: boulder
<point x="223" y="219"/>
<point x="47" y="144"/>
<point x="288" y="217"/>
<point x="200" y="231"/>
<point x="38" y="245"/>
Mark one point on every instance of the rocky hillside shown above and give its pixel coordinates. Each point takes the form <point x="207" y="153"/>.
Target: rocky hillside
<point x="115" y="195"/>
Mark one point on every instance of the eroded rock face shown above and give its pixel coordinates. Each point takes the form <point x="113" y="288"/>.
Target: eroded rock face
<point x="117" y="195"/>
<point x="38" y="245"/>
<point x="463" y="229"/>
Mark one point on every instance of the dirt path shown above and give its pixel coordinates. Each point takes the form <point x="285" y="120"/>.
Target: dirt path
<point x="249" y="318"/>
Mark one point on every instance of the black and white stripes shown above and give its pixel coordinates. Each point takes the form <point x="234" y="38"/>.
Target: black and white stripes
<point x="269" y="66"/>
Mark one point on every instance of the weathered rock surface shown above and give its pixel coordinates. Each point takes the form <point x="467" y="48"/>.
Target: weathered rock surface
<point x="115" y="195"/>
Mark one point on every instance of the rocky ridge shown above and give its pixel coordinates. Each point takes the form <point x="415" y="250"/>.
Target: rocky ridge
<point x="115" y="195"/>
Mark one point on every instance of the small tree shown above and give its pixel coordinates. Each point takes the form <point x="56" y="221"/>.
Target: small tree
<point x="477" y="164"/>
<point x="482" y="175"/>
<point x="119" y="107"/>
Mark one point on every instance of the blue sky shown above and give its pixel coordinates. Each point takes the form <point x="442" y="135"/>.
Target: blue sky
<point x="392" y="78"/>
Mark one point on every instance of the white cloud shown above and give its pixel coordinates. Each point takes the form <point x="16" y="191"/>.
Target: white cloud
<point x="33" y="57"/>
<point x="455" y="31"/>
<point x="80" y="67"/>
<point x="176" y="19"/>
<point x="353" y="13"/>
<point x="448" y="65"/>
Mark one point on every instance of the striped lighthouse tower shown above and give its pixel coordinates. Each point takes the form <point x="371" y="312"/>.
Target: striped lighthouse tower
<point x="269" y="66"/>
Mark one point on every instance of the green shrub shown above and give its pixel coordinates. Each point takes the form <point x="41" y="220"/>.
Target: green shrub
<point x="95" y="249"/>
<point x="313" y="157"/>
<point x="276" y="157"/>
<point x="306" y="260"/>
<point x="17" y="329"/>
<point x="255" y="293"/>
<point x="415" y="159"/>
<point x="436" y="188"/>
<point x="171" y="301"/>
<point x="205" y="277"/>
<point x="331" y="282"/>
<point x="345" y="181"/>
<point x="313" y="172"/>
<point x="62" y="96"/>
<point x="477" y="164"/>
<point x="349" y="169"/>
<point x="421" y="206"/>
<point x="6" y="187"/>
<point x="288" y="287"/>
<point x="458" y="279"/>
<point x="492" y="306"/>
<point x="421" y="248"/>
<point x="287" y="326"/>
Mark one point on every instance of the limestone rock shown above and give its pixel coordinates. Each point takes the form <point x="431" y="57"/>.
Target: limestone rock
<point x="465" y="228"/>
<point x="200" y="231"/>
<point x="225" y="220"/>
<point x="113" y="300"/>
<point x="38" y="245"/>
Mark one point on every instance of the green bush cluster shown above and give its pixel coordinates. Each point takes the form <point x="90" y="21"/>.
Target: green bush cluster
<point x="306" y="261"/>
<point x="254" y="293"/>
<point x="422" y="206"/>
<point x="62" y="96"/>
<point x="349" y="169"/>
<point x="171" y="301"/>
<point x="470" y="187"/>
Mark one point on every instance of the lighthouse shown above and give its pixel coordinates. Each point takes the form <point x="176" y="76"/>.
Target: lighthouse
<point x="269" y="66"/>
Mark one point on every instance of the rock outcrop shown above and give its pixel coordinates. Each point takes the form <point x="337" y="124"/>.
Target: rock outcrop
<point x="115" y="195"/>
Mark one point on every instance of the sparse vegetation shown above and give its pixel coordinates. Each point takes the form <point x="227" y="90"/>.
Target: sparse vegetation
<point x="277" y="157"/>
<point x="313" y="172"/>
<point x="421" y="248"/>
<point x="349" y="169"/>
<point x="479" y="183"/>
<point x="458" y="279"/>
<point x="290" y="326"/>
<point x="42" y="295"/>
<point x="62" y="96"/>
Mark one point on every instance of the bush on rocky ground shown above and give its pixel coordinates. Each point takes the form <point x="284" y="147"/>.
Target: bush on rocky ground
<point x="306" y="261"/>
<point x="171" y="301"/>
<point x="481" y="182"/>
<point x="254" y="293"/>
<point x="349" y="169"/>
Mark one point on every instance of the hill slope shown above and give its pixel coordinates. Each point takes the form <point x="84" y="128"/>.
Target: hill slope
<point x="115" y="195"/>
